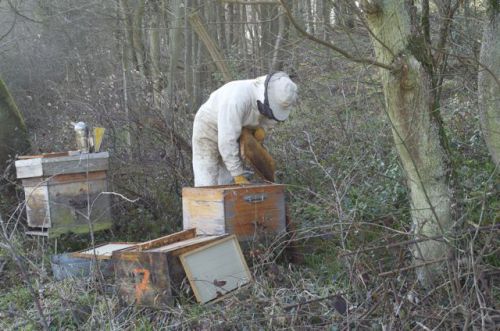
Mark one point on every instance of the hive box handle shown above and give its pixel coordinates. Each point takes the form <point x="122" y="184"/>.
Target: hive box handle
<point x="255" y="198"/>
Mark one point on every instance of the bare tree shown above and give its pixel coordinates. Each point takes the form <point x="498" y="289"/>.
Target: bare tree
<point x="175" y="51"/>
<point x="416" y="124"/>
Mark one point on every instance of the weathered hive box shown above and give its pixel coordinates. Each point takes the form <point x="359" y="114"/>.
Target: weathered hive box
<point x="150" y="273"/>
<point x="248" y="211"/>
<point x="61" y="189"/>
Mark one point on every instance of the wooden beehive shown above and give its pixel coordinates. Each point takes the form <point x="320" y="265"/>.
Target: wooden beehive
<point x="63" y="192"/>
<point x="150" y="273"/>
<point x="248" y="211"/>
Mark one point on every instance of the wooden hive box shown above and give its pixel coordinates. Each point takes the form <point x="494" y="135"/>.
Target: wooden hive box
<point x="150" y="273"/>
<point x="248" y="211"/>
<point x="59" y="189"/>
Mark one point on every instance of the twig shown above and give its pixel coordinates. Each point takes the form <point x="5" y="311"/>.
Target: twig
<point x="288" y="307"/>
<point x="396" y="271"/>
<point x="414" y="241"/>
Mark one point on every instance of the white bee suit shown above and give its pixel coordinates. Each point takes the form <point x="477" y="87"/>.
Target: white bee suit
<point x="217" y="127"/>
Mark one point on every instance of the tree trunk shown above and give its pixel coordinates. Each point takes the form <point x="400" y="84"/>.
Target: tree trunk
<point x="489" y="85"/>
<point x="211" y="46"/>
<point x="266" y="42"/>
<point x="154" y="53"/>
<point x="13" y="134"/>
<point x="230" y="28"/>
<point x="127" y="23"/>
<point x="242" y="36"/>
<point x="309" y="12"/>
<point x="137" y="38"/>
<point x="221" y="27"/>
<point x="132" y="62"/>
<point x="416" y="129"/>
<point x="254" y="36"/>
<point x="188" y="56"/>
<point x="128" y="122"/>
<point x="277" y="60"/>
<point x="327" y="20"/>
<point x="175" y="52"/>
<point x="300" y="13"/>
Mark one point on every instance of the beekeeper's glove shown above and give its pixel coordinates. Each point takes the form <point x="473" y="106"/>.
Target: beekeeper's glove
<point x="259" y="134"/>
<point x="241" y="180"/>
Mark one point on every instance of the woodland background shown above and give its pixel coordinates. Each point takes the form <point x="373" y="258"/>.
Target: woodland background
<point x="139" y="69"/>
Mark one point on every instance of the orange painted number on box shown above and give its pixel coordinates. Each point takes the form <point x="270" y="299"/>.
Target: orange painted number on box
<point x="143" y="285"/>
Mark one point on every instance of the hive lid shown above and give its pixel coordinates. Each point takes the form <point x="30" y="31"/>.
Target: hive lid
<point x="103" y="251"/>
<point x="51" y="164"/>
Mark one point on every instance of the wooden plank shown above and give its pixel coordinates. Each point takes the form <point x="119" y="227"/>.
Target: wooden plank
<point x="171" y="238"/>
<point x="184" y="243"/>
<point x="216" y="269"/>
<point x="43" y="155"/>
<point x="104" y="251"/>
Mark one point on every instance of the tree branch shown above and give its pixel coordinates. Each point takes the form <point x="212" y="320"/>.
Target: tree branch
<point x="10" y="29"/>
<point x="419" y="265"/>
<point x="331" y="46"/>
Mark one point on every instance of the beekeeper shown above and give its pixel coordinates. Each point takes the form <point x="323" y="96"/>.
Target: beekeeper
<point x="257" y="104"/>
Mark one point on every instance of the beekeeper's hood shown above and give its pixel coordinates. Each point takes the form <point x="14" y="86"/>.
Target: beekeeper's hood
<point x="281" y="95"/>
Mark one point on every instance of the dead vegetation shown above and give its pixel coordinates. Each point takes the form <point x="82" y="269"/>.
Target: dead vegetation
<point x="368" y="284"/>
